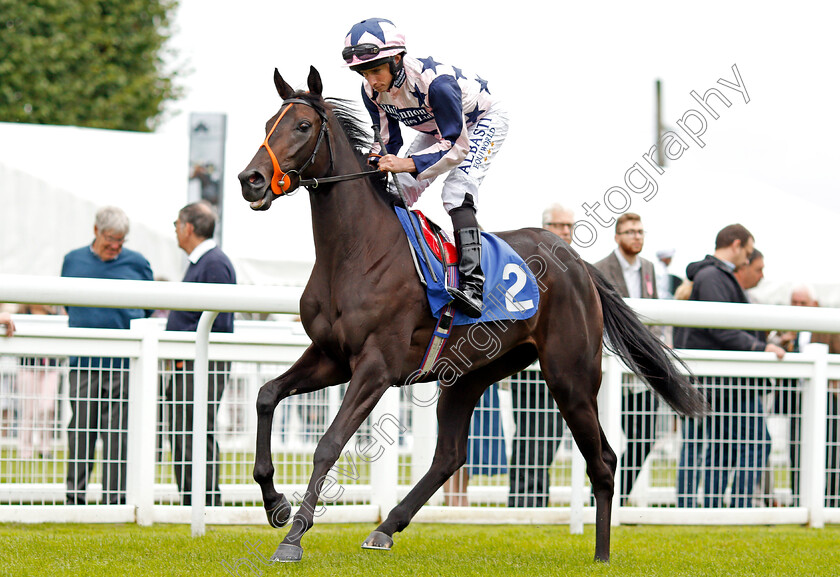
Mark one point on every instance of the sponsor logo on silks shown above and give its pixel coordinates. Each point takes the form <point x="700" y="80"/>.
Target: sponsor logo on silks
<point x="408" y="116"/>
<point x="481" y="142"/>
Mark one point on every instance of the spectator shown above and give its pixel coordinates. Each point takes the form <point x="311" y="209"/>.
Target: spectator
<point x="559" y="220"/>
<point x="6" y="321"/>
<point x="538" y="433"/>
<point x="160" y="314"/>
<point x="748" y="276"/>
<point x="485" y="449"/>
<point x="792" y="341"/>
<point x="666" y="283"/>
<point x="194" y="228"/>
<point x="7" y="409"/>
<point x="633" y="276"/>
<point x="737" y="415"/>
<point x="99" y="386"/>
<point x="832" y="457"/>
<point x="683" y="292"/>
<point x="750" y="273"/>
<point x="538" y="424"/>
<point x="38" y="388"/>
<point x="788" y="400"/>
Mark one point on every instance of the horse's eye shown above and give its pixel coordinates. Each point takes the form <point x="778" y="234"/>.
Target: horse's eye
<point x="304" y="126"/>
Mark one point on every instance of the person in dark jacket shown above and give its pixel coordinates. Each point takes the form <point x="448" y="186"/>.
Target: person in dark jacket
<point x="208" y="264"/>
<point x="737" y="416"/>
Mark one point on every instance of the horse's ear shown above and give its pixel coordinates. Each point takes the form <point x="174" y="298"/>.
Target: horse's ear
<point x="283" y="89"/>
<point x="314" y="81"/>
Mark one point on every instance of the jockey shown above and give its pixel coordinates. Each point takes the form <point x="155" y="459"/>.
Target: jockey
<point x="461" y="125"/>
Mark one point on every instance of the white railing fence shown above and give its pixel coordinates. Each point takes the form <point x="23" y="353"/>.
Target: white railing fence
<point x="394" y="448"/>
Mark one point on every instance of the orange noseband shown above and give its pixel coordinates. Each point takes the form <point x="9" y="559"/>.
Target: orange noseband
<point x="280" y="181"/>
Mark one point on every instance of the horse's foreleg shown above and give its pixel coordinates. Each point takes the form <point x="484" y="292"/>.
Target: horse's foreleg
<point x="455" y="407"/>
<point x="312" y="372"/>
<point x="369" y="382"/>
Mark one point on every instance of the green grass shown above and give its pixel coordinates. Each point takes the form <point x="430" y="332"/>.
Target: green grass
<point x="422" y="550"/>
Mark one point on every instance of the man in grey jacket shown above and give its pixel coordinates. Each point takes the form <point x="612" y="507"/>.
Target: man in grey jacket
<point x="633" y="276"/>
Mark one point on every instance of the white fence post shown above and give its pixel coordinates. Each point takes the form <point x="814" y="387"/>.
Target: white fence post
<point x="142" y="416"/>
<point x="423" y="398"/>
<point x="199" y="433"/>
<point x="814" y="409"/>
<point x="578" y="494"/>
<point x="384" y="471"/>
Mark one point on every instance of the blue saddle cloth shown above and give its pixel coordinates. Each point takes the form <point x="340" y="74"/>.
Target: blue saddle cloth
<point x="510" y="288"/>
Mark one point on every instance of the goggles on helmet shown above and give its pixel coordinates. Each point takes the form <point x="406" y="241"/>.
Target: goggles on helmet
<point x="365" y="52"/>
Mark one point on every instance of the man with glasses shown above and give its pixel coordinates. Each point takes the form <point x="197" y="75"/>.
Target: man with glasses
<point x="538" y="424"/>
<point x="99" y="386"/>
<point x="461" y="127"/>
<point x="635" y="277"/>
<point x="194" y="229"/>
<point x="559" y="220"/>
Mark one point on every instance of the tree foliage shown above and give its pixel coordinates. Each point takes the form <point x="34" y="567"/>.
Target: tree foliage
<point x="94" y="63"/>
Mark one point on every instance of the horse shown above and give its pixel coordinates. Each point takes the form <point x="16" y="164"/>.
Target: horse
<point x="369" y="321"/>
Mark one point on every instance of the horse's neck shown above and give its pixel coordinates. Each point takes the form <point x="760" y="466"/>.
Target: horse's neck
<point x="350" y="221"/>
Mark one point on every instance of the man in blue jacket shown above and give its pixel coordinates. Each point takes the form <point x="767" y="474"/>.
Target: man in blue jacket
<point x="99" y="386"/>
<point x="208" y="264"/>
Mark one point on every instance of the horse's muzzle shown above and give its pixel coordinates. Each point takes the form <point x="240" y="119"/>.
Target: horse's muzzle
<point x="255" y="189"/>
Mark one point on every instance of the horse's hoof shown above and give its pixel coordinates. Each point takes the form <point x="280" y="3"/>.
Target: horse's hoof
<point x="379" y="541"/>
<point x="287" y="553"/>
<point x="279" y="515"/>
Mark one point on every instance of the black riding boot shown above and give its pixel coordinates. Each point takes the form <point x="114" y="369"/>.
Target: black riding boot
<point x="471" y="278"/>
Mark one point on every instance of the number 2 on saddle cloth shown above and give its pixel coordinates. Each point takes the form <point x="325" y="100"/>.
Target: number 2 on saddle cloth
<point x="510" y="288"/>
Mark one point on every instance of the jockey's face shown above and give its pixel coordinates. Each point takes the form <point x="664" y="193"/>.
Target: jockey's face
<point x="379" y="77"/>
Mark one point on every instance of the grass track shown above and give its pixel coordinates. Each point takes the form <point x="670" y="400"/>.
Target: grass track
<point x="422" y="550"/>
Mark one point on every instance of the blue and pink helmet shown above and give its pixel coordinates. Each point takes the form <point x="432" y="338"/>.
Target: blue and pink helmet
<point x="370" y="42"/>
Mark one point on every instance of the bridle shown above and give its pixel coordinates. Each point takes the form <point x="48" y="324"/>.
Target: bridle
<point x="280" y="180"/>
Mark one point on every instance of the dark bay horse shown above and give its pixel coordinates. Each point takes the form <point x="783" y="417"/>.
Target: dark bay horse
<point x="370" y="322"/>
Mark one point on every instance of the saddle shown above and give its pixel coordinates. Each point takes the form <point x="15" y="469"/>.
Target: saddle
<point x="510" y="291"/>
<point x="437" y="240"/>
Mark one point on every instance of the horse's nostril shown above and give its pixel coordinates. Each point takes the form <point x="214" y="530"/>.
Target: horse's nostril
<point x="252" y="179"/>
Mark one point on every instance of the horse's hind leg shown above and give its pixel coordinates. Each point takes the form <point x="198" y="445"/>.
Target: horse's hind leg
<point x="581" y="415"/>
<point x="312" y="372"/>
<point x="574" y="377"/>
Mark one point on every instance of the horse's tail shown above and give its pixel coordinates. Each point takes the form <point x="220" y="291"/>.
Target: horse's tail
<point x="645" y="354"/>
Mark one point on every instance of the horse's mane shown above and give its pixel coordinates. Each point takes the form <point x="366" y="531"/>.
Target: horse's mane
<point x="357" y="132"/>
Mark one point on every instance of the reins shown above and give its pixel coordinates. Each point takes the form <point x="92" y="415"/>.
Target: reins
<point x="280" y="181"/>
<point x="314" y="182"/>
